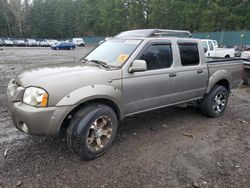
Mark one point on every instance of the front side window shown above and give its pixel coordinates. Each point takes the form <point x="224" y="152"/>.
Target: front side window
<point x="158" y="56"/>
<point x="189" y="54"/>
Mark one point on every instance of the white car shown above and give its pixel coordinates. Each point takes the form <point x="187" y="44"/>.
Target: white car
<point x="52" y="42"/>
<point x="78" y="41"/>
<point x="8" y="42"/>
<point x="20" y="43"/>
<point x="212" y="50"/>
<point x="31" y="42"/>
<point x="44" y="43"/>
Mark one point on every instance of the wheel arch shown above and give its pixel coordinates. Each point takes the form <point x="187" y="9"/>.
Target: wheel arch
<point x="222" y="82"/>
<point x="222" y="78"/>
<point x="104" y="101"/>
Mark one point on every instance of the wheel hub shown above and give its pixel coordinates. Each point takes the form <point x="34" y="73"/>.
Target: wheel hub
<point x="99" y="133"/>
<point x="219" y="102"/>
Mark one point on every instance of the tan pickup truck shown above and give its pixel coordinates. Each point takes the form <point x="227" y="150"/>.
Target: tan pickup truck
<point x="134" y="72"/>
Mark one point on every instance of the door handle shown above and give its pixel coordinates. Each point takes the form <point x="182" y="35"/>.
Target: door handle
<point x="173" y="74"/>
<point x="199" y="71"/>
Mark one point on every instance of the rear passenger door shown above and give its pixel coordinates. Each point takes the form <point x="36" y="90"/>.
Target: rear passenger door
<point x="192" y="76"/>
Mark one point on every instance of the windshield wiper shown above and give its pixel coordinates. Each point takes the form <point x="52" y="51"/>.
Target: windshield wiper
<point x="102" y="63"/>
<point x="83" y="60"/>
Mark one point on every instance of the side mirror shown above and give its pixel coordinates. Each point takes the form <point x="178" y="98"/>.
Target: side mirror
<point x="138" y="66"/>
<point x="205" y="50"/>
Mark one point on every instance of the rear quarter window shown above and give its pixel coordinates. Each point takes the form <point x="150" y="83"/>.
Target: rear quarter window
<point x="189" y="54"/>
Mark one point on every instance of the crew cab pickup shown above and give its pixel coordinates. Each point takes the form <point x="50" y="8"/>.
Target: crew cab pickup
<point x="134" y="72"/>
<point x="212" y="49"/>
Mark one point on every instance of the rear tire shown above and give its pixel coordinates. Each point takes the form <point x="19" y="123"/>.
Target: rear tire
<point x="92" y="131"/>
<point x="214" y="103"/>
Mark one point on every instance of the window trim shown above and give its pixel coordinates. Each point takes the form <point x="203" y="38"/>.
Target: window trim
<point x="151" y="43"/>
<point x="189" y="43"/>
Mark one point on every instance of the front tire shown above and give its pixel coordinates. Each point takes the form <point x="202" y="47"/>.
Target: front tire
<point x="214" y="103"/>
<point x="92" y="131"/>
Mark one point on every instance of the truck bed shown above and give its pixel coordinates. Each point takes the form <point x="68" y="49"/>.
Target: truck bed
<point x="233" y="66"/>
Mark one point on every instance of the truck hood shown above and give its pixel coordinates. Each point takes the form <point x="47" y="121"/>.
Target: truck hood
<point x="39" y="75"/>
<point x="61" y="79"/>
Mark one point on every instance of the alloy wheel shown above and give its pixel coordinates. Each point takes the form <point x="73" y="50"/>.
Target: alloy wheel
<point x="99" y="133"/>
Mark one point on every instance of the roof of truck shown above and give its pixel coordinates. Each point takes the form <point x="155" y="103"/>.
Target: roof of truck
<point x="148" y="33"/>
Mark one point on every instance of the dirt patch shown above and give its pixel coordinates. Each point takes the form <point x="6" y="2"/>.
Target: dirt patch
<point x="151" y="149"/>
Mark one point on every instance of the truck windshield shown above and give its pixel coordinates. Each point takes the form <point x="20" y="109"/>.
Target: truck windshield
<point x="114" y="52"/>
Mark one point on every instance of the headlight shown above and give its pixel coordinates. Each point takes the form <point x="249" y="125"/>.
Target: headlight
<point x="35" y="97"/>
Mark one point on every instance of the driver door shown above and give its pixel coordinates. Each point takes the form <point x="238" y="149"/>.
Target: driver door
<point x="152" y="88"/>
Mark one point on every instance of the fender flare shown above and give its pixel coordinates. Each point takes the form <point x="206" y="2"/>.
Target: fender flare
<point x="217" y="77"/>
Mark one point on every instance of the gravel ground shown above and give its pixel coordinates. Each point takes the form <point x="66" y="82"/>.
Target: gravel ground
<point x="171" y="147"/>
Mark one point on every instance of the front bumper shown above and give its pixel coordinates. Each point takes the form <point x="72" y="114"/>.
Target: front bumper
<point x="38" y="121"/>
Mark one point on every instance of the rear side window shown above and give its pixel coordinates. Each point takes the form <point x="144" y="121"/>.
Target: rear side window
<point x="158" y="56"/>
<point x="189" y="54"/>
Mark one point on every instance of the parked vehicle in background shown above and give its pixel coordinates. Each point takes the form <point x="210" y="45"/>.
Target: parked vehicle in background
<point x="240" y="49"/>
<point x="20" y="42"/>
<point x="134" y="72"/>
<point x="78" y="42"/>
<point x="212" y="51"/>
<point x="246" y="60"/>
<point x="52" y="42"/>
<point x="31" y="42"/>
<point x="8" y="42"/>
<point x="38" y="42"/>
<point x="44" y="43"/>
<point x="1" y="42"/>
<point x="63" y="46"/>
